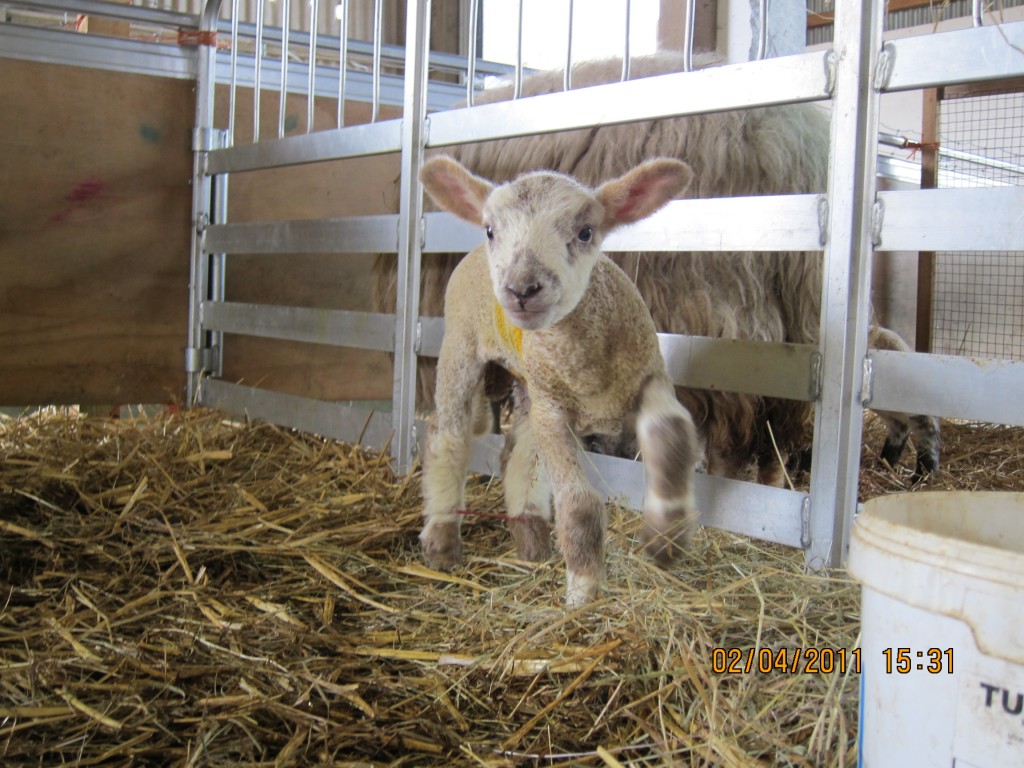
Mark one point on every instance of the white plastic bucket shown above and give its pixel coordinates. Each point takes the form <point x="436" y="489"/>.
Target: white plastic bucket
<point x="942" y="629"/>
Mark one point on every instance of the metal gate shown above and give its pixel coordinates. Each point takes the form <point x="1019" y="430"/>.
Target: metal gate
<point x="846" y="225"/>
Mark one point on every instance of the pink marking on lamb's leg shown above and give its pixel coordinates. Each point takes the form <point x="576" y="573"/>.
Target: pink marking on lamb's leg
<point x="668" y="442"/>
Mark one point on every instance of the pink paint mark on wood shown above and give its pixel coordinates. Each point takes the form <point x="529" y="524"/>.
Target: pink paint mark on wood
<point x="82" y="194"/>
<point x="85" y="191"/>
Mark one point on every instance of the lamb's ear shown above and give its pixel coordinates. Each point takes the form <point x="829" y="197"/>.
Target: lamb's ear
<point x="642" y="191"/>
<point x="455" y="189"/>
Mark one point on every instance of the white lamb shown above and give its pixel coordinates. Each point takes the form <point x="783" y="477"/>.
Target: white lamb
<point x="541" y="300"/>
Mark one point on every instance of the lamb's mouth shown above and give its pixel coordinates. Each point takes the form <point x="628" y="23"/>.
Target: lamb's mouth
<point x="528" y="319"/>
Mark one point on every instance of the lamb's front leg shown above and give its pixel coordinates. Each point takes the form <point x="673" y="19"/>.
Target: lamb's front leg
<point x="580" y="516"/>
<point x="668" y="442"/>
<point x="445" y="460"/>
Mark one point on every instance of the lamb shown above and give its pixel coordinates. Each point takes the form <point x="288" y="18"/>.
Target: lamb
<point x="541" y="300"/>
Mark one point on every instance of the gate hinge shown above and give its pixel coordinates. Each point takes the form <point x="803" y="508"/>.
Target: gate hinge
<point x="884" y="66"/>
<point x="208" y="139"/>
<point x="417" y="342"/>
<point x="805" y="523"/>
<point x="816" y="372"/>
<point x="831" y="66"/>
<point x="198" y="360"/>
<point x="877" y="218"/>
<point x="867" y="382"/>
<point x="823" y="220"/>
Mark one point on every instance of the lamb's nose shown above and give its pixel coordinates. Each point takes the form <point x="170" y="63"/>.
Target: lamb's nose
<point x="523" y="295"/>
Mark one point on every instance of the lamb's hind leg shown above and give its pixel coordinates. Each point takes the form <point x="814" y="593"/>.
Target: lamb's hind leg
<point x="527" y="493"/>
<point x="668" y="442"/>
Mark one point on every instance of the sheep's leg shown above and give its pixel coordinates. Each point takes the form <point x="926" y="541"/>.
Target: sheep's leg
<point x="445" y="460"/>
<point x="527" y="494"/>
<point x="580" y="518"/>
<point x="923" y="429"/>
<point x="668" y="442"/>
<point x="925" y="432"/>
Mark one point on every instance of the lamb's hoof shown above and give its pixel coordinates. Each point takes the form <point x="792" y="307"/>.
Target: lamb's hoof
<point x="442" y="545"/>
<point x="579" y="589"/>
<point x="532" y="536"/>
<point x="666" y="544"/>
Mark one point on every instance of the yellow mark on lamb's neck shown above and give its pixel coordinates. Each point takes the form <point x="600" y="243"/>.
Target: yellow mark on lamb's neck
<point x="510" y="334"/>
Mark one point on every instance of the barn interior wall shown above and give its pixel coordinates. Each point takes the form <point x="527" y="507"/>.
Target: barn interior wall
<point x="95" y="236"/>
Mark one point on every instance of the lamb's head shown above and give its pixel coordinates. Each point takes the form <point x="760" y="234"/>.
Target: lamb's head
<point x="544" y="229"/>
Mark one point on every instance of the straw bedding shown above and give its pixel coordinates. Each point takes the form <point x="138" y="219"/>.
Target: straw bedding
<point x="189" y="590"/>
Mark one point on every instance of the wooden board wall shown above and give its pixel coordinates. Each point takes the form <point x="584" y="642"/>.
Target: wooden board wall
<point x="94" y="226"/>
<point x="94" y="242"/>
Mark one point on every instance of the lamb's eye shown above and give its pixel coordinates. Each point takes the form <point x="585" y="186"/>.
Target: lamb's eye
<point x="490" y="232"/>
<point x="585" y="235"/>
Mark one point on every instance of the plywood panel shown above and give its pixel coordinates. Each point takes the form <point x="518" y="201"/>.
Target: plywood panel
<point x="94" y="225"/>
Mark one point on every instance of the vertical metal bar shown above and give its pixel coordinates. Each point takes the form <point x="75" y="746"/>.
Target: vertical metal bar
<point x="233" y="94"/>
<point x="688" y="35"/>
<point x="517" y="88"/>
<point x="846" y="280"/>
<point x="471" y="52"/>
<point x="314" y="22"/>
<point x="762" y="31"/>
<point x="976" y="9"/>
<point x="286" y="23"/>
<point x="206" y="69"/>
<point x="625" y="44"/>
<point x="378" y="32"/>
<point x="258" y="64"/>
<point x="567" y="75"/>
<point x="342" y="13"/>
<point x="410" y="215"/>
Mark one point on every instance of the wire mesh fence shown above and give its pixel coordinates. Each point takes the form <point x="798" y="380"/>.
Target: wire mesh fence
<point x="979" y="297"/>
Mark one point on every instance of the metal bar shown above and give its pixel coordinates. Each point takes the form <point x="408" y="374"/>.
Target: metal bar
<point x="517" y="88"/>
<point x="724" y="504"/>
<point x="762" y="30"/>
<point x="311" y="84"/>
<point x="728" y="365"/>
<point x="985" y="53"/>
<point x="141" y="14"/>
<point x="953" y="219"/>
<point x="378" y="32"/>
<point x="282" y="109"/>
<point x="625" y="44"/>
<point x="797" y="78"/>
<point x="407" y="308"/>
<point x="846" y="281"/>
<point x="352" y="141"/>
<point x="474" y="14"/>
<point x="688" y="34"/>
<point x="567" y="74"/>
<point x="354" y="234"/>
<point x="333" y="327"/>
<point x="201" y="206"/>
<point x="949" y="386"/>
<point x="233" y="91"/>
<point x="257" y="72"/>
<point x="976" y="11"/>
<point x="734" y="365"/>
<point x="339" y="421"/>
<point x="50" y="46"/>
<point x="770" y="223"/>
<point x="342" y="13"/>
